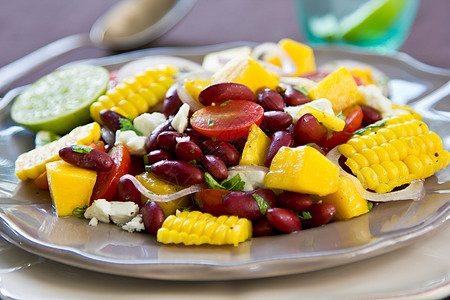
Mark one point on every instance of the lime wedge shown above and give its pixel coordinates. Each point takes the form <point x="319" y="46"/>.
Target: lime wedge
<point x="60" y="101"/>
<point x="371" y="20"/>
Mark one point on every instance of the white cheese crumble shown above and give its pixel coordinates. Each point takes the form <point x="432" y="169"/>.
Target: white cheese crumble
<point x="135" y="144"/>
<point x="254" y="179"/>
<point x="298" y="82"/>
<point x="100" y="210"/>
<point x="182" y="139"/>
<point x="136" y="224"/>
<point x="319" y="104"/>
<point x="123" y="212"/>
<point x="146" y="122"/>
<point x="373" y="97"/>
<point x="93" y="222"/>
<point x="180" y="120"/>
<point x="118" y="212"/>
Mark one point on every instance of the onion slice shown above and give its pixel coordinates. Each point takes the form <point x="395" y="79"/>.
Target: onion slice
<point x="414" y="191"/>
<point x="162" y="198"/>
<point x="186" y="97"/>
<point x="265" y="51"/>
<point x="244" y="168"/>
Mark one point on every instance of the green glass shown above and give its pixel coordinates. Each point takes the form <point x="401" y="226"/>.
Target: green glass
<point x="378" y="25"/>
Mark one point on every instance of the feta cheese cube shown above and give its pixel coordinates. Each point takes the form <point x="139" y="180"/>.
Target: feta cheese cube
<point x="181" y="120"/>
<point x="123" y="212"/>
<point x="254" y="179"/>
<point x="146" y="122"/>
<point x="136" y="224"/>
<point x="135" y="144"/>
<point x="373" y="96"/>
<point x="100" y="210"/>
<point x="93" y="222"/>
<point x="319" y="104"/>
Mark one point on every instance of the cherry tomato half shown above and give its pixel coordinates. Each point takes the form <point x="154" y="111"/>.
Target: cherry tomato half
<point x="354" y="116"/>
<point x="228" y="121"/>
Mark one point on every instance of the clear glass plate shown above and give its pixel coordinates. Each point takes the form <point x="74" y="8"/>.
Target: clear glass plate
<point x="26" y="217"/>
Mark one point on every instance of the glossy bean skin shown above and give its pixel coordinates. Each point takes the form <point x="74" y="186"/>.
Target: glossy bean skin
<point x="93" y="160"/>
<point x="152" y="216"/>
<point x="244" y="205"/>
<point x="215" y="166"/>
<point x="211" y="201"/>
<point x="188" y="151"/>
<point x="177" y="172"/>
<point x="111" y="119"/>
<point x="167" y="140"/>
<point x="157" y="155"/>
<point x="127" y="191"/>
<point x="270" y="100"/>
<point x="262" y="227"/>
<point x="220" y="92"/>
<point x="276" y="120"/>
<point x="294" y="97"/>
<point x="171" y="102"/>
<point x="277" y="140"/>
<point x="152" y="141"/>
<point x="321" y="214"/>
<point x="370" y="115"/>
<point x="283" y="219"/>
<point x="294" y="201"/>
<point x="224" y="150"/>
<point x="308" y="130"/>
<point x="195" y="136"/>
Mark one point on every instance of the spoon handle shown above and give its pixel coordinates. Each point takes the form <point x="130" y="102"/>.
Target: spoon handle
<point x="27" y="64"/>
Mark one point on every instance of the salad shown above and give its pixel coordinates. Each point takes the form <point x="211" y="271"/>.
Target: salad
<point x="254" y="142"/>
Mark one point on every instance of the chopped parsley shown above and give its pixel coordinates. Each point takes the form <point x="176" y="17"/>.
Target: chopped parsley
<point x="234" y="183"/>
<point x="210" y="123"/>
<point x="304" y="215"/>
<point x="225" y="103"/>
<point x="368" y="127"/>
<point x="301" y="89"/>
<point x="79" y="211"/>
<point x="82" y="149"/>
<point x="127" y="124"/>
<point x="262" y="203"/>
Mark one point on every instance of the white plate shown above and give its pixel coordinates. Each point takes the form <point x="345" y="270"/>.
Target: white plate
<point x="26" y="219"/>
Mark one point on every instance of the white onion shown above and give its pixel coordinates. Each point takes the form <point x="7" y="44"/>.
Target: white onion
<point x="248" y="168"/>
<point x="186" y="97"/>
<point x="162" y="198"/>
<point x="267" y="50"/>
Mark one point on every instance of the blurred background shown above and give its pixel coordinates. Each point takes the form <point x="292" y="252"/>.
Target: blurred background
<point x="28" y="25"/>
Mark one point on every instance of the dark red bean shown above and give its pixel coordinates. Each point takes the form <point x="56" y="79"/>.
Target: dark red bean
<point x="152" y="216"/>
<point x="321" y="213"/>
<point x="294" y="201"/>
<point x="239" y="144"/>
<point x="294" y="97"/>
<point x="283" y="219"/>
<point x="370" y="116"/>
<point x="188" y="151"/>
<point x="244" y="204"/>
<point x="127" y="191"/>
<point x="136" y="165"/>
<point x="195" y="136"/>
<point x="111" y="119"/>
<point x="157" y="155"/>
<point x="211" y="201"/>
<point x="224" y="150"/>
<point x="262" y="227"/>
<point x="277" y="140"/>
<point x="276" y="120"/>
<point x="87" y="158"/>
<point x="270" y="100"/>
<point x="177" y="172"/>
<point x="152" y="141"/>
<point x="167" y="140"/>
<point x="224" y="91"/>
<point x="171" y="102"/>
<point x="215" y="166"/>
<point x="308" y="130"/>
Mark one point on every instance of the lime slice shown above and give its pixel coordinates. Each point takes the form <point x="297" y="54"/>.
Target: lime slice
<point x="60" y="101"/>
<point x="371" y="20"/>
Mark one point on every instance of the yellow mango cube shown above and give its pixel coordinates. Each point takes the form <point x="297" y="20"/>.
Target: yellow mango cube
<point x="347" y="201"/>
<point x="365" y="75"/>
<point x="195" y="86"/>
<point x="255" y="149"/>
<point x="302" y="55"/>
<point x="328" y="120"/>
<point x="247" y="71"/>
<point x="70" y="186"/>
<point x="302" y="170"/>
<point x="339" y="87"/>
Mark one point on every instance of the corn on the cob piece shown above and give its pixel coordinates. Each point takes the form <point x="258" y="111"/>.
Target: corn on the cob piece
<point x="394" y="152"/>
<point x="197" y="228"/>
<point x="135" y="95"/>
<point x="31" y="164"/>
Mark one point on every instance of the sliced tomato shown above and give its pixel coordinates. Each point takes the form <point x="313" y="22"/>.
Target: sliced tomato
<point x="353" y="119"/>
<point x="99" y="145"/>
<point x="228" y="121"/>
<point x="106" y="184"/>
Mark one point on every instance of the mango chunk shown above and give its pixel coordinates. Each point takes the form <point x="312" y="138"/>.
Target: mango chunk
<point x="365" y="75"/>
<point x="302" y="170"/>
<point x="161" y="187"/>
<point x="255" y="149"/>
<point x="302" y="55"/>
<point x="70" y="186"/>
<point x="339" y="87"/>
<point x="328" y="120"/>
<point x="195" y="86"/>
<point x="247" y="71"/>
<point x="347" y="201"/>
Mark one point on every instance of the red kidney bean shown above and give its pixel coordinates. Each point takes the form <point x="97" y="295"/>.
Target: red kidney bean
<point x="152" y="141"/>
<point x="171" y="102"/>
<point x="195" y="136"/>
<point x="215" y="166"/>
<point x="167" y="140"/>
<point x="157" y="155"/>
<point x="239" y="144"/>
<point x="276" y="120"/>
<point x="224" y="150"/>
<point x="321" y="213"/>
<point x="270" y="100"/>
<point x="188" y="151"/>
<point x="370" y="115"/>
<point x="211" y="201"/>
<point x="177" y="172"/>
<point x="283" y="219"/>
<point x="294" y="97"/>
<point x="111" y="119"/>
<point x="221" y="92"/>
<point x="294" y="201"/>
<point x="136" y="165"/>
<point x="308" y="130"/>
<point x="152" y="216"/>
<point x="244" y="205"/>
<point x="262" y="227"/>
<point x="87" y="158"/>
<point x="277" y="140"/>
<point x="127" y="191"/>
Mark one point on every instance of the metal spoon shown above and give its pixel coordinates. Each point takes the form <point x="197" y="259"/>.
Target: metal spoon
<point x="126" y="25"/>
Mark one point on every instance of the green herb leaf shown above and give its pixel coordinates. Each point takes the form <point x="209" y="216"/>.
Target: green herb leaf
<point x="127" y="124"/>
<point x="310" y="144"/>
<point x="210" y="123"/>
<point x="214" y="139"/>
<point x="262" y="204"/>
<point x="371" y="126"/>
<point x="212" y="183"/>
<point x="81" y="149"/>
<point x="301" y="89"/>
<point x="79" y="211"/>
<point x="369" y="205"/>
<point x="225" y="103"/>
<point x="341" y="116"/>
<point x="304" y="215"/>
<point x="234" y="183"/>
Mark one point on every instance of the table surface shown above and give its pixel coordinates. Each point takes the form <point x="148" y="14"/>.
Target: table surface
<point x="28" y="25"/>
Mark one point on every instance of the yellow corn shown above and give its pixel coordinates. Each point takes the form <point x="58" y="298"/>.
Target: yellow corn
<point x="197" y="228"/>
<point x="394" y="152"/>
<point x="135" y="95"/>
